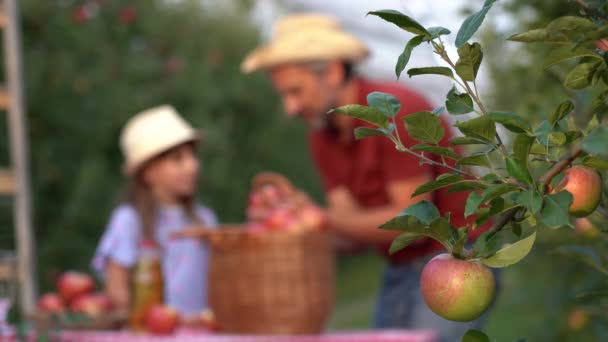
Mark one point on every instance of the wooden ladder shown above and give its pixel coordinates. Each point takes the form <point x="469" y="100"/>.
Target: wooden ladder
<point x="15" y="180"/>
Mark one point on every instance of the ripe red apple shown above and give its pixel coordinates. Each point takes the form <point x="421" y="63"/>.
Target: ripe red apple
<point x="456" y="289"/>
<point x="91" y="304"/>
<point x="51" y="303"/>
<point x="312" y="217"/>
<point x="278" y="219"/>
<point x="161" y="320"/>
<point x="585" y="185"/>
<point x="74" y="284"/>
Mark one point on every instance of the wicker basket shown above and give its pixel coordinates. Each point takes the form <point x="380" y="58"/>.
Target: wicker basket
<point x="272" y="283"/>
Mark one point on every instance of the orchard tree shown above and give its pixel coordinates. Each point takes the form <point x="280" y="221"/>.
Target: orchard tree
<point x="546" y="178"/>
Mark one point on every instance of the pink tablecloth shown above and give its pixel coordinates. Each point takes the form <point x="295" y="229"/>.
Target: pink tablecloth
<point x="371" y="336"/>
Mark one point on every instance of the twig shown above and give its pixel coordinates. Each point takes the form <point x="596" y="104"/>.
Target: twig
<point x="504" y="219"/>
<point x="560" y="165"/>
<point x="473" y="94"/>
<point x="402" y="148"/>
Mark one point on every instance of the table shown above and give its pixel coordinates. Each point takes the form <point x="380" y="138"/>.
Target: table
<point x="185" y="336"/>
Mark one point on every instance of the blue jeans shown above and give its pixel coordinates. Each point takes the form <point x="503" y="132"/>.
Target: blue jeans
<point x="400" y="304"/>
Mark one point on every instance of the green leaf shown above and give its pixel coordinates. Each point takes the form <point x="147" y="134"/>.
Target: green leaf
<point x="555" y="212"/>
<point x="365" y="132"/>
<point x="438" y="150"/>
<point x="472" y="24"/>
<point x="530" y="199"/>
<point x="424" y="211"/>
<point x="424" y="127"/>
<point x="473" y="202"/>
<point x="595" y="142"/>
<point x="443" y="71"/>
<point x="521" y="148"/>
<point x="402" y="21"/>
<point x="570" y="23"/>
<point x="469" y="61"/>
<point x="386" y="103"/>
<point x="440" y="182"/>
<point x="600" y="104"/>
<point x="595" y="162"/>
<point x="511" y="254"/>
<point x="473" y="335"/>
<point x="467" y="185"/>
<point x="539" y="149"/>
<point x="510" y="121"/>
<point x="582" y="75"/>
<point x="466" y="141"/>
<point x="480" y="127"/>
<point x="518" y="171"/>
<point x="437" y="31"/>
<point x="364" y="113"/>
<point x="540" y="35"/>
<point x="404" y="57"/>
<point x="403" y="241"/>
<point x="557" y="138"/>
<point x="475" y="160"/>
<point x="439" y="230"/>
<point x="560" y="112"/>
<point x="459" y="103"/>
<point x="542" y="132"/>
<point x="492" y="192"/>
<point x="486" y="244"/>
<point x="564" y="53"/>
<point x="572" y="136"/>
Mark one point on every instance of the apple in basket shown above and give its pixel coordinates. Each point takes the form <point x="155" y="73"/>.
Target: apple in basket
<point x="162" y="320"/>
<point x="92" y="305"/>
<point x="278" y="219"/>
<point x="51" y="303"/>
<point x="73" y="284"/>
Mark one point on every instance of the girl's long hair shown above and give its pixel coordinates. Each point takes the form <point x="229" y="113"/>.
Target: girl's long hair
<point x="139" y="195"/>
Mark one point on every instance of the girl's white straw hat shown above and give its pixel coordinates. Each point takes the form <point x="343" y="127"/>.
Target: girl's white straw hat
<point x="152" y="132"/>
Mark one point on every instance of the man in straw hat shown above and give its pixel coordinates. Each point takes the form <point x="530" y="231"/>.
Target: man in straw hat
<point x="310" y="61"/>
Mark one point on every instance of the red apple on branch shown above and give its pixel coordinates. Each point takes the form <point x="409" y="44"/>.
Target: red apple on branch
<point x="456" y="289"/>
<point x="585" y="185"/>
<point x="73" y="284"/>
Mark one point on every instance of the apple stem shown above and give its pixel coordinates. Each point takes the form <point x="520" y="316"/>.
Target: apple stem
<point x="558" y="167"/>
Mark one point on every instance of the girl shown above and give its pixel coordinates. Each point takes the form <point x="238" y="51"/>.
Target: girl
<point x="159" y="150"/>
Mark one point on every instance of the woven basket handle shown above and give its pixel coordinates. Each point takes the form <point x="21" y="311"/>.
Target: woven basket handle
<point x="272" y="178"/>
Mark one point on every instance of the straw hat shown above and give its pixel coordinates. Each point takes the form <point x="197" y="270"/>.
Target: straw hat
<point x="152" y="132"/>
<point x="305" y="38"/>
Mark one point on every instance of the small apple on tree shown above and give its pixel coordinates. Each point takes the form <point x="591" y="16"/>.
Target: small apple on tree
<point x="519" y="190"/>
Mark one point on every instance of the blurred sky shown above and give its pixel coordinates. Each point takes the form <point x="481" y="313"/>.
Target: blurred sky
<point x="386" y="40"/>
